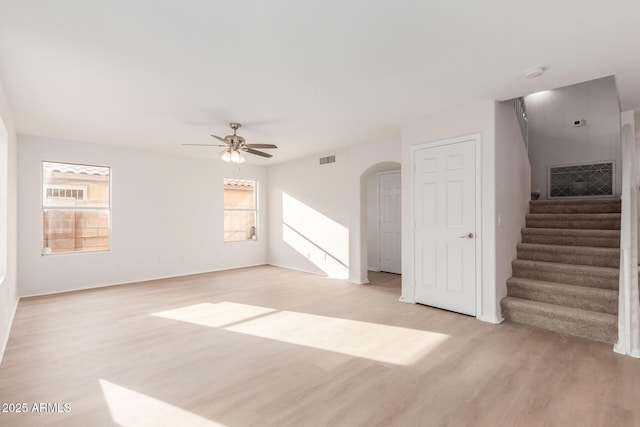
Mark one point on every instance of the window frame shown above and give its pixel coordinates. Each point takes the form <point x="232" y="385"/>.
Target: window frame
<point x="255" y="210"/>
<point x="43" y="189"/>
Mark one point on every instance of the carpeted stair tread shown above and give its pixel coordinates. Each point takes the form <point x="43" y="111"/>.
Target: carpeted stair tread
<point x="575" y="206"/>
<point x="576" y="216"/>
<point x="566" y="275"/>
<point x="583" y="297"/>
<point x="583" y="275"/>
<point x="570" y="237"/>
<point x="583" y="255"/>
<point x="602" y="221"/>
<point x="567" y="320"/>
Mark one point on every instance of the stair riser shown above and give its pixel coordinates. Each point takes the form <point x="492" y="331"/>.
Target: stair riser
<point x="606" y="333"/>
<point x="567" y="294"/>
<point x="599" y="242"/>
<point x="575" y="209"/>
<point x="598" y="303"/>
<point x="596" y="224"/>
<point x="570" y="258"/>
<point x="570" y="277"/>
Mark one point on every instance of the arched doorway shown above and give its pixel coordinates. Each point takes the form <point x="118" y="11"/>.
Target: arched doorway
<point x="370" y="243"/>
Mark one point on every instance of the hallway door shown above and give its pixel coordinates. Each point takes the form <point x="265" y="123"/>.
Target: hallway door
<point x="390" y="239"/>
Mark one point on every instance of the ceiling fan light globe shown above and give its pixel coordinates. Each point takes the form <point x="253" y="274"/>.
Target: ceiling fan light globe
<point x="226" y="156"/>
<point x="235" y="157"/>
<point x="241" y="158"/>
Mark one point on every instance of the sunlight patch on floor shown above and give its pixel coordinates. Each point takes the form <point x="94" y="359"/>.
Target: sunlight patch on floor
<point x="214" y="315"/>
<point x="383" y="343"/>
<point x="130" y="408"/>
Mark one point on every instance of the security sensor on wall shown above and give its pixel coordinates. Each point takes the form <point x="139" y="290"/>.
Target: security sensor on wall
<point x="578" y="123"/>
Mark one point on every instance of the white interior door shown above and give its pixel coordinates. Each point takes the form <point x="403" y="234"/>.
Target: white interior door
<point x="445" y="222"/>
<point x="390" y="239"/>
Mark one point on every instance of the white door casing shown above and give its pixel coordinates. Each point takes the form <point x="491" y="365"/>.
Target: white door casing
<point x="445" y="245"/>
<point x="390" y="221"/>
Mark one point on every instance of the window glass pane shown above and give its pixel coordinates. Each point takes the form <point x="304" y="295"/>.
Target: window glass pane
<point x="91" y="184"/>
<point x="239" y="225"/>
<point x="75" y="230"/>
<point x="239" y="194"/>
<point x="240" y="210"/>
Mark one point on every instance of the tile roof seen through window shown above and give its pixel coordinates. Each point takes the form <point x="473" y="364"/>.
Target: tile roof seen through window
<point x="239" y="182"/>
<point x="75" y="169"/>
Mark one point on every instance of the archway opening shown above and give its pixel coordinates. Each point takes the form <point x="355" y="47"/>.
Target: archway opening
<point x="371" y="245"/>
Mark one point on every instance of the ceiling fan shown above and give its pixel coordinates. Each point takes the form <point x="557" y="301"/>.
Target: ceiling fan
<point x="235" y="146"/>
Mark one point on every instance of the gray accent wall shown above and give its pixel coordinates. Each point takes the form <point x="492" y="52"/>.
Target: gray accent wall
<point x="553" y="140"/>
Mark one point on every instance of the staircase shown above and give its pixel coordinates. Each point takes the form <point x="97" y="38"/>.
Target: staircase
<point x="565" y="278"/>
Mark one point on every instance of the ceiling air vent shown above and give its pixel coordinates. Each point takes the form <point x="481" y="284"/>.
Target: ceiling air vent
<point x="328" y="159"/>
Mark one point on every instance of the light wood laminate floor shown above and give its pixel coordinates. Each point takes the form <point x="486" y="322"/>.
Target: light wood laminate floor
<point x="266" y="346"/>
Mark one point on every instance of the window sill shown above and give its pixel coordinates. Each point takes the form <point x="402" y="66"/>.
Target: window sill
<point x="75" y="252"/>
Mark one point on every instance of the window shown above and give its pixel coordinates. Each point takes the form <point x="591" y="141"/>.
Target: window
<point x="240" y="210"/>
<point x="76" y="208"/>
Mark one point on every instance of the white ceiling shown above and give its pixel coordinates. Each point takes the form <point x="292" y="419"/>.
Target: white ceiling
<point x="309" y="76"/>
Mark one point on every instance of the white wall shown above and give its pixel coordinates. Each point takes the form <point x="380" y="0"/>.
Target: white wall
<point x="552" y="138"/>
<point x="8" y="216"/>
<point x="513" y="192"/>
<point x="631" y="119"/>
<point x="166" y="218"/>
<point x="335" y="196"/>
<point x="321" y="193"/>
<point x="469" y="119"/>
<point x="505" y="187"/>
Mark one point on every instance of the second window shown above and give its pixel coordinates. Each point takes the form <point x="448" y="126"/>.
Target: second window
<point x="240" y="210"/>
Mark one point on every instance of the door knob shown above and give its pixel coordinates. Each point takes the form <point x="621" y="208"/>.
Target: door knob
<point x="467" y="236"/>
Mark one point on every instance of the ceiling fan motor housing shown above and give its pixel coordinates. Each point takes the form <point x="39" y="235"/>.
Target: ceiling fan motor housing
<point x="235" y="144"/>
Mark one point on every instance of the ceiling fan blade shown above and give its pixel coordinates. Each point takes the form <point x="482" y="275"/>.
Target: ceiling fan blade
<point x="262" y="146"/>
<point x="256" y="152"/>
<point x="221" y="139"/>
<point x="207" y="145"/>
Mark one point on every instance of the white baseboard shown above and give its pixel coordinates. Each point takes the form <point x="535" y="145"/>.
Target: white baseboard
<point x="139" y="280"/>
<point x="633" y="353"/>
<point x="491" y="319"/>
